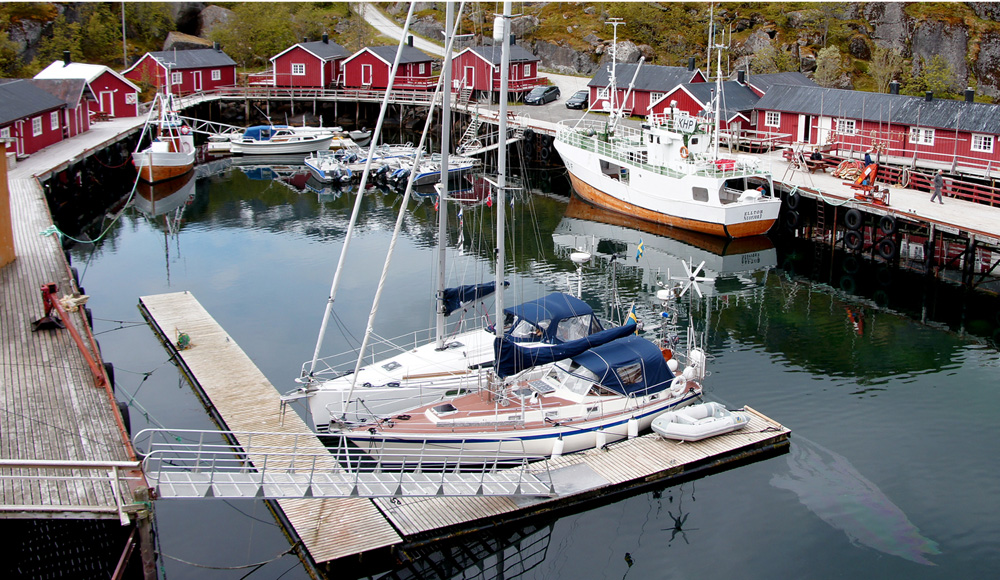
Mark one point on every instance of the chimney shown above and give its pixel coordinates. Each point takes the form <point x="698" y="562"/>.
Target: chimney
<point x="326" y="38"/>
<point x="512" y="40"/>
<point x="894" y="88"/>
<point x="305" y="39"/>
<point x="970" y="95"/>
<point x="691" y="64"/>
<point x="409" y="40"/>
<point x="217" y="47"/>
<point x="929" y="96"/>
<point x="741" y="77"/>
<point x="66" y="60"/>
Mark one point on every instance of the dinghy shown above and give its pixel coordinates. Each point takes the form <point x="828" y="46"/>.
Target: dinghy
<point x="697" y="422"/>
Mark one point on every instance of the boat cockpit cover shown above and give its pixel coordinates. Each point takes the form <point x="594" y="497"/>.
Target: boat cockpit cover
<point x="262" y="132"/>
<point x="511" y="357"/>
<point x="454" y="298"/>
<point x="630" y="366"/>
<point x="546" y="314"/>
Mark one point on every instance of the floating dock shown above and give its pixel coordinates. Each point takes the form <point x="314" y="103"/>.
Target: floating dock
<point x="345" y="529"/>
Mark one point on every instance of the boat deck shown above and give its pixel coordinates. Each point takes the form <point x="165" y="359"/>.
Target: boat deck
<point x="333" y="529"/>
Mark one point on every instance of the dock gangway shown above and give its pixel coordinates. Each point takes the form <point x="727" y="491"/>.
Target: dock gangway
<point x="192" y="464"/>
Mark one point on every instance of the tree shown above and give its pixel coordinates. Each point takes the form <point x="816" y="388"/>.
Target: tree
<point x="65" y="36"/>
<point x="148" y="23"/>
<point x="101" y="33"/>
<point x="886" y="64"/>
<point x="828" y="66"/>
<point x="936" y="76"/>
<point x="771" y="59"/>
<point x="258" y="31"/>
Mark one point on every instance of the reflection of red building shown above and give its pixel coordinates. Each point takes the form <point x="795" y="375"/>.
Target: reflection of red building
<point x="478" y="68"/>
<point x="115" y="95"/>
<point x="191" y="71"/>
<point x="30" y="116"/>
<point x="309" y="64"/>
<point x="369" y="68"/>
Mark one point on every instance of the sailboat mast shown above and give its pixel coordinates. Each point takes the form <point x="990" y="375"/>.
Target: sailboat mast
<point x="443" y="192"/>
<point x="502" y="160"/>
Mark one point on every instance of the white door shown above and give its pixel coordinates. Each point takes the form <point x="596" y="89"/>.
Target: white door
<point x="108" y="102"/>
<point x="366" y="74"/>
<point x="197" y="80"/>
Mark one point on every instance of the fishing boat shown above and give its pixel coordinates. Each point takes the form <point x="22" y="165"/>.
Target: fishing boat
<point x="668" y="171"/>
<point x="171" y="152"/>
<point x="278" y="140"/>
<point x="697" y="422"/>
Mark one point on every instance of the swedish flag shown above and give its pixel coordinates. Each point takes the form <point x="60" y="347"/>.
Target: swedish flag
<point x="639" y="250"/>
<point x="633" y="318"/>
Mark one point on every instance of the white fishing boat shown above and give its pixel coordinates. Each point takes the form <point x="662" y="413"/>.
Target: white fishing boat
<point x="171" y="153"/>
<point x="328" y="167"/>
<point x="668" y="171"/>
<point x="279" y="140"/>
<point x="697" y="422"/>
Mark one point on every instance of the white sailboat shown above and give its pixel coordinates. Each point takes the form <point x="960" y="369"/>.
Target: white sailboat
<point x="668" y="171"/>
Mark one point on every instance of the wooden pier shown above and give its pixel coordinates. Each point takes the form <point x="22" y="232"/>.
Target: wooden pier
<point x="242" y="399"/>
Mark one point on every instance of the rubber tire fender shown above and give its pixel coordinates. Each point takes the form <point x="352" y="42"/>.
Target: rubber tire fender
<point x="853" y="240"/>
<point x="793" y="200"/>
<point x="888" y="225"/>
<point x="886" y="248"/>
<point x="853" y="219"/>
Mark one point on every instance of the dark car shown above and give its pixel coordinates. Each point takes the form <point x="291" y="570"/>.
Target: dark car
<point x="578" y="100"/>
<point x="541" y="95"/>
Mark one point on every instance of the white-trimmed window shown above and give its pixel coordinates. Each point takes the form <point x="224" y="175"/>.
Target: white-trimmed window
<point x="527" y="69"/>
<point x="982" y="143"/>
<point x="54" y="119"/>
<point x="176" y="78"/>
<point x="5" y="132"/>
<point x="846" y="126"/>
<point x="653" y="97"/>
<point x="298" y="69"/>
<point x="921" y="136"/>
<point x="602" y="93"/>
<point x="216" y="74"/>
<point x="36" y="126"/>
<point x="422" y="69"/>
<point x="772" y="119"/>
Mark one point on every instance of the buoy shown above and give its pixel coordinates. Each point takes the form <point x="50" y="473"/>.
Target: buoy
<point x="684" y="152"/>
<point x="633" y="428"/>
<point x="557" y="448"/>
<point x="602" y="439"/>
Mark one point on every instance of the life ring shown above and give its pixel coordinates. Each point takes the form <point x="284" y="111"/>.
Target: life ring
<point x="684" y="152"/>
<point x="887" y="224"/>
<point x="793" y="200"/>
<point x="904" y="179"/>
<point x="185" y="130"/>
<point x="677" y="385"/>
<point x="886" y="248"/>
<point x="852" y="219"/>
<point x="792" y="219"/>
<point x="853" y="240"/>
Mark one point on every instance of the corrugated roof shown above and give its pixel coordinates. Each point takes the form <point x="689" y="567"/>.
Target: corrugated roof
<point x="410" y="54"/>
<point x="79" y="70"/>
<point x="736" y="98"/>
<point x="493" y="54"/>
<point x="651" y="77"/>
<point x="325" y="50"/>
<point x="763" y="82"/>
<point x="70" y="91"/>
<point x="902" y="109"/>
<point x="22" y="99"/>
<point x="197" y="58"/>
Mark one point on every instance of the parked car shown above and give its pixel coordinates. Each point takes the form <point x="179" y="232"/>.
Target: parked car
<point x="542" y="95"/>
<point x="578" y="100"/>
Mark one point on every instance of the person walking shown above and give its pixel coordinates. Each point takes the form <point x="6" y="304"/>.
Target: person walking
<point x="938" y="184"/>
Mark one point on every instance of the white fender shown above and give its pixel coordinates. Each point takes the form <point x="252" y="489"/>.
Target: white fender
<point x="602" y="439"/>
<point x="633" y="428"/>
<point x="557" y="448"/>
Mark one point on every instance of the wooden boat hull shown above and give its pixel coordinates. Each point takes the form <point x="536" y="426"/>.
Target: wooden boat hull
<point x="160" y="166"/>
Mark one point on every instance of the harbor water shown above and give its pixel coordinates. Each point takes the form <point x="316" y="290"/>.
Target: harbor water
<point x="887" y="378"/>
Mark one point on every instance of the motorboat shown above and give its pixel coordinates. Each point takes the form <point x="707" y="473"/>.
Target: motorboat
<point x="278" y="140"/>
<point x="697" y="422"/>
<point x="328" y="167"/>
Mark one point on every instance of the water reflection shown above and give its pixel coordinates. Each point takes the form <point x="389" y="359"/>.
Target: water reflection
<point x="831" y="488"/>
<point x="157" y="199"/>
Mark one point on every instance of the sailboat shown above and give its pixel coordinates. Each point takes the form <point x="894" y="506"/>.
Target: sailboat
<point x="538" y="400"/>
<point x="171" y="152"/>
<point x="408" y="372"/>
<point x="668" y="171"/>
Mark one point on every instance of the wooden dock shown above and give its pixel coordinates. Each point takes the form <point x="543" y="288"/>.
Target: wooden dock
<point x="242" y="399"/>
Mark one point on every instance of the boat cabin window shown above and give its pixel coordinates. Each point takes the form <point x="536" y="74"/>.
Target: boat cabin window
<point x="525" y="329"/>
<point x="699" y="193"/>
<point x="576" y="327"/>
<point x="630" y="374"/>
<point x="577" y="379"/>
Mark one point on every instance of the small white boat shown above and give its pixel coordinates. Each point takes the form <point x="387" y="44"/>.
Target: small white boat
<point x="697" y="422"/>
<point x="171" y="153"/>
<point x="328" y="167"/>
<point x="279" y="139"/>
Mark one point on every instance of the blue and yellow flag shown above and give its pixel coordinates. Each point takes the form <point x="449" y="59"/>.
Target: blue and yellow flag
<point x="639" y="250"/>
<point x="632" y="317"/>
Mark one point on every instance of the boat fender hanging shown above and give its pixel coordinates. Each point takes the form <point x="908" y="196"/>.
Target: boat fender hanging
<point x="684" y="152"/>
<point x="544" y="153"/>
<point x="853" y="240"/>
<point x="792" y="219"/>
<point x="557" y="447"/>
<point x="633" y="428"/>
<point x="852" y="219"/>
<point x="793" y="200"/>
<point x="888" y="225"/>
<point x="887" y="249"/>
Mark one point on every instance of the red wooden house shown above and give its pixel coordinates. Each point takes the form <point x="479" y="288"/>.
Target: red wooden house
<point x="651" y="83"/>
<point x="190" y="70"/>
<point x="30" y="116"/>
<point x="309" y="64"/>
<point x="116" y="95"/>
<point x="906" y="129"/>
<point x="696" y="99"/>
<point x="77" y="96"/>
<point x="478" y="68"/>
<point x="369" y="68"/>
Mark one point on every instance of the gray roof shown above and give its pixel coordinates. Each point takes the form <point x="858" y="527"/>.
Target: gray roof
<point x="70" y="91"/>
<point x="325" y="50"/>
<point x="493" y="54"/>
<point x="901" y="109"/>
<point x="22" y="99"/>
<point x="736" y="98"/>
<point x="410" y="54"/>
<point x="651" y="77"/>
<point x="197" y="58"/>
<point x="763" y="82"/>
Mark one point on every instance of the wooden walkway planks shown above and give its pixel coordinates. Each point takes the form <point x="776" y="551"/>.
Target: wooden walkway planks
<point x="52" y="409"/>
<point x="247" y="401"/>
